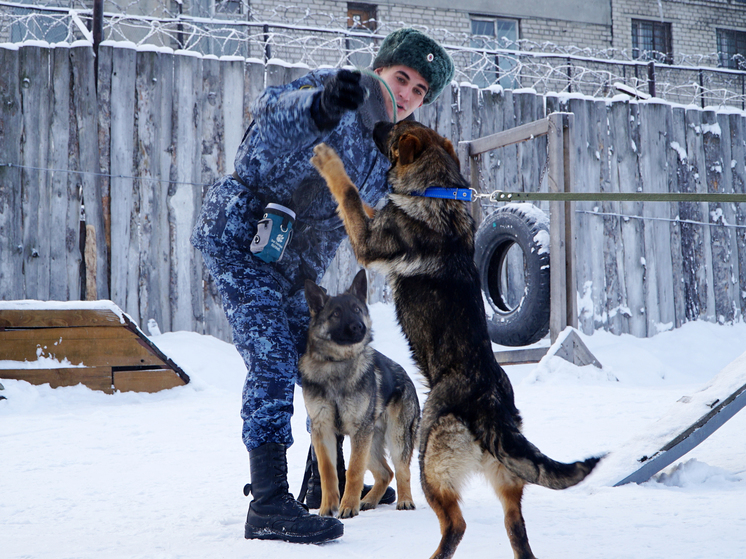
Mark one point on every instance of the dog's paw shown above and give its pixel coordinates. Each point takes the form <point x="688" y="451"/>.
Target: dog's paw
<point x="326" y="160"/>
<point x="348" y="512"/>
<point x="367" y="506"/>
<point x="327" y="511"/>
<point x="405" y="505"/>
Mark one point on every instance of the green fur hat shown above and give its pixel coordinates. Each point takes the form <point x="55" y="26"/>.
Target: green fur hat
<point x="413" y="48"/>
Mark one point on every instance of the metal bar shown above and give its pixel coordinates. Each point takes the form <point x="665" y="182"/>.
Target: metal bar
<point x="500" y="196"/>
<point x="651" y="78"/>
<point x="507" y="137"/>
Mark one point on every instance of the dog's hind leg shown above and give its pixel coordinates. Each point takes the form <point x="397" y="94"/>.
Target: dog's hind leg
<point x="401" y="439"/>
<point x="509" y="489"/>
<point x="380" y="469"/>
<point x="450" y="455"/>
<point x="325" y="446"/>
<point x="360" y="452"/>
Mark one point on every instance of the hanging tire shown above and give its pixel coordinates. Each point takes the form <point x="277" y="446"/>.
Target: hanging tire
<point x="512" y="255"/>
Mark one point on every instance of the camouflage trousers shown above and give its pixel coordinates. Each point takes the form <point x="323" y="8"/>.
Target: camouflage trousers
<point x="269" y="331"/>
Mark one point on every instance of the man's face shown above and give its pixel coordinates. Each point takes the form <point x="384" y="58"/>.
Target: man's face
<point x="407" y="85"/>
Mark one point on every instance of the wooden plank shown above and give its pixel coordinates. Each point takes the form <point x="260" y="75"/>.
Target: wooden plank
<point x="738" y="176"/>
<point x="520" y="356"/>
<point x="35" y="88"/>
<point x="47" y="336"/>
<point x="11" y="216"/>
<point x="151" y="216"/>
<point x="64" y="209"/>
<point x="528" y="109"/>
<point x="232" y="90"/>
<point x="99" y="191"/>
<point x="558" y="276"/>
<point x="724" y="258"/>
<point x="659" y="303"/>
<point x="509" y="137"/>
<point x="160" y="309"/>
<point x="149" y="380"/>
<point x="253" y="88"/>
<point x="612" y="233"/>
<point x="124" y="242"/>
<point x="627" y="149"/>
<point x="590" y="117"/>
<point x="95" y="378"/>
<point x="122" y="351"/>
<point x="677" y="163"/>
<point x="507" y="178"/>
<point x="84" y="127"/>
<point x="275" y="72"/>
<point x="45" y="318"/>
<point x="701" y="290"/>
<point x="571" y="285"/>
<point x="185" y="195"/>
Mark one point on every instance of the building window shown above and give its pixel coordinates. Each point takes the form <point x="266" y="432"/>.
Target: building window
<point x="488" y="34"/>
<point x="651" y="40"/>
<point x="361" y="18"/>
<point x="232" y="7"/>
<point x="732" y="49"/>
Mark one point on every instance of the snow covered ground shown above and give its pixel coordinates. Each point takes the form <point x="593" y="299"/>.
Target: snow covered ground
<point x="89" y="475"/>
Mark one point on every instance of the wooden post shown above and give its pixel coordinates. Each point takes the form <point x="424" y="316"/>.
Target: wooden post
<point x="557" y="254"/>
<point x="571" y="299"/>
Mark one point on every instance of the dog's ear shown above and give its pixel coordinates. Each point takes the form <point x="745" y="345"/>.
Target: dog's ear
<point x="316" y="297"/>
<point x="410" y="147"/>
<point x="359" y="287"/>
<point x="448" y="146"/>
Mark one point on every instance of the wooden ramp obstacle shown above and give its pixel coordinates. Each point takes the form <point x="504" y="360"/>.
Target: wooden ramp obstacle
<point x="684" y="426"/>
<point x="79" y="342"/>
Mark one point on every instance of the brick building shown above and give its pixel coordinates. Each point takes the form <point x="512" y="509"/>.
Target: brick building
<point x="674" y="29"/>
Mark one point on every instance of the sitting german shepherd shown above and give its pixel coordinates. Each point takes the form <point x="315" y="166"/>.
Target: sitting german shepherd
<point x="351" y="389"/>
<point x="426" y="246"/>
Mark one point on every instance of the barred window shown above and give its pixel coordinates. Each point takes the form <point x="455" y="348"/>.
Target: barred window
<point x="732" y="49"/>
<point x="651" y="40"/>
<point x="489" y="33"/>
<point x="360" y="18"/>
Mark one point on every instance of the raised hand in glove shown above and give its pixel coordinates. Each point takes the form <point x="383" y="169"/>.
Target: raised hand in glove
<point x="341" y="93"/>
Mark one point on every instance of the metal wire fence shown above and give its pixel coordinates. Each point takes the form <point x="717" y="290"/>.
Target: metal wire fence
<point x="297" y="35"/>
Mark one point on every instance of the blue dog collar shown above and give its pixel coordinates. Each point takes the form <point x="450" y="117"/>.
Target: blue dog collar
<point x="463" y="194"/>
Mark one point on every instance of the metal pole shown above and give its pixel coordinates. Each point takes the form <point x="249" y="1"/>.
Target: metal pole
<point x="98" y="23"/>
<point x="651" y="78"/>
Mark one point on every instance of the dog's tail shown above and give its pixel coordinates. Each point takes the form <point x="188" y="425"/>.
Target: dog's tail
<point x="526" y="461"/>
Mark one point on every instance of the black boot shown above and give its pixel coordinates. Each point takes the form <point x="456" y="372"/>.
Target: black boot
<point x="273" y="513"/>
<point x="311" y="491"/>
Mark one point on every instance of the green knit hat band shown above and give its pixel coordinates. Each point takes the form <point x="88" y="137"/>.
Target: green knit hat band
<point x="413" y="48"/>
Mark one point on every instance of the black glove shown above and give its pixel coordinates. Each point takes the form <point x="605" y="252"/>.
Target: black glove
<point x="341" y="93"/>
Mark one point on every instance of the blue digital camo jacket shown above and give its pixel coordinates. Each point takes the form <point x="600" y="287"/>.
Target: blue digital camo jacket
<point x="273" y="163"/>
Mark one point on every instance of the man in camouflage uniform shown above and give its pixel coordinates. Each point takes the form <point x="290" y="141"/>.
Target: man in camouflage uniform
<point x="265" y="302"/>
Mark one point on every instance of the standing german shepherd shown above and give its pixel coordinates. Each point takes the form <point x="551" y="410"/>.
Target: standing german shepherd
<point x="351" y="389"/>
<point x="426" y="246"/>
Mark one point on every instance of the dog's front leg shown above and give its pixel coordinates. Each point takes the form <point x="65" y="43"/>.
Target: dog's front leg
<point x="360" y="451"/>
<point x="352" y="210"/>
<point x="326" y="455"/>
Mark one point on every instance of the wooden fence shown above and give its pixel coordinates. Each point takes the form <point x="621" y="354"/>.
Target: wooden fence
<point x="136" y="145"/>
